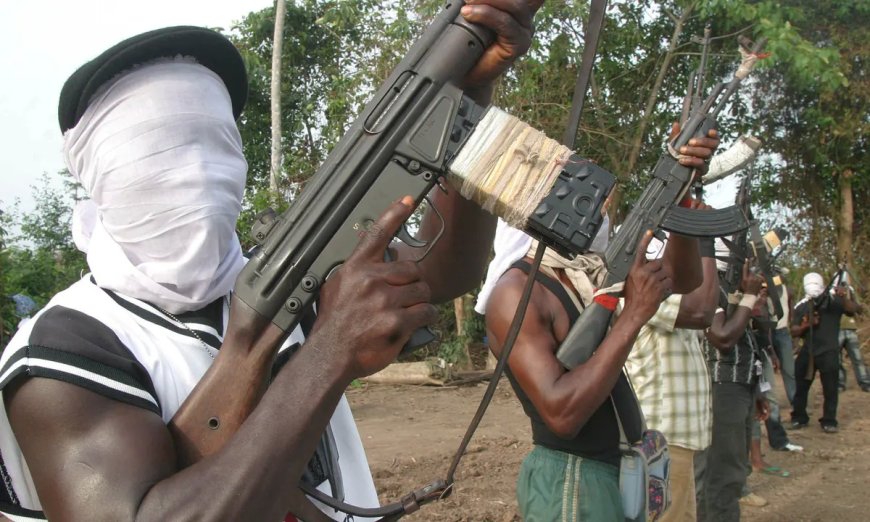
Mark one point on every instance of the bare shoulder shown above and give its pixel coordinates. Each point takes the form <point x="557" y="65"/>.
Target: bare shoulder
<point x="91" y="457"/>
<point x="543" y="317"/>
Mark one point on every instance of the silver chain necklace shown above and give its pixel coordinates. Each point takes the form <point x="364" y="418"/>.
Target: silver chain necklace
<point x="205" y="345"/>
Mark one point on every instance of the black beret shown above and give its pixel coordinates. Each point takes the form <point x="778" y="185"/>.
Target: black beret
<point x="210" y="48"/>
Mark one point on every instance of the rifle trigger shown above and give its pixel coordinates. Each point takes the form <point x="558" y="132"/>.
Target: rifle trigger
<point x="405" y="237"/>
<point x="441" y="182"/>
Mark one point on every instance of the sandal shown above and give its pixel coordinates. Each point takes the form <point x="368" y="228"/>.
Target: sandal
<point x="776" y="471"/>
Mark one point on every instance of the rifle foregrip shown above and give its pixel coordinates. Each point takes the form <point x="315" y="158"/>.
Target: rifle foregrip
<point x="705" y="223"/>
<point x="585" y="336"/>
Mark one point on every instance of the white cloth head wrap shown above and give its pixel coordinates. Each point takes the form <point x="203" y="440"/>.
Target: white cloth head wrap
<point x="510" y="245"/>
<point x="814" y="285"/>
<point x="160" y="156"/>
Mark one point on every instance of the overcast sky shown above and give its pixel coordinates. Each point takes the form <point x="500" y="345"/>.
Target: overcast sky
<point x="43" y="42"/>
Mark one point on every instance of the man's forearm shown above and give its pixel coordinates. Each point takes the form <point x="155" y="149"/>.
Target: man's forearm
<point x="724" y="333"/>
<point x="697" y="307"/>
<point x="253" y="477"/>
<point x="583" y="389"/>
<point x="684" y="263"/>
<point x="457" y="262"/>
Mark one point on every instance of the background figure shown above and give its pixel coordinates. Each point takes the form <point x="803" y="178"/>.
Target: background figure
<point x="668" y="371"/>
<point x="777" y="437"/>
<point x="849" y="341"/>
<point x="782" y="344"/>
<point x="817" y="319"/>
<point x="731" y="355"/>
<point x="764" y="325"/>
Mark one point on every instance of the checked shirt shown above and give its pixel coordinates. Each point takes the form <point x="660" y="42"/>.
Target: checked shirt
<point x="669" y="374"/>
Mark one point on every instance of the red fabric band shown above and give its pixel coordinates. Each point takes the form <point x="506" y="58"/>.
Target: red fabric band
<point x="607" y="301"/>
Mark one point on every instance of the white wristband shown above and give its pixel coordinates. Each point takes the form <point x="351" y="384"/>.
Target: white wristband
<point x="748" y="301"/>
<point x="734" y="298"/>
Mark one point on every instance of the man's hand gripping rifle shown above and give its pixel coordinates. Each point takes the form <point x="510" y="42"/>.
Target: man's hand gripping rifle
<point x="657" y="208"/>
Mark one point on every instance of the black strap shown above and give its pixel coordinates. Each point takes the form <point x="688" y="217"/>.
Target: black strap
<point x="590" y="47"/>
<point x="554" y="286"/>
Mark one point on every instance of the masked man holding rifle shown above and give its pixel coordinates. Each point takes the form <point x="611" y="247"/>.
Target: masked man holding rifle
<point x="91" y="386"/>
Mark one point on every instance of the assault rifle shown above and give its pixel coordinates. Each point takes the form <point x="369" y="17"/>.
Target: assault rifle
<point x="401" y="144"/>
<point x="761" y="250"/>
<point x="764" y="264"/>
<point x="657" y="208"/>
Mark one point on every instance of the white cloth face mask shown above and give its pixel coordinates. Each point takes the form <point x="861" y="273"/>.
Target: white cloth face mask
<point x="160" y="156"/>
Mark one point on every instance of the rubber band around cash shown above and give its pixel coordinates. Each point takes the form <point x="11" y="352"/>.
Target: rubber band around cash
<point x="507" y="167"/>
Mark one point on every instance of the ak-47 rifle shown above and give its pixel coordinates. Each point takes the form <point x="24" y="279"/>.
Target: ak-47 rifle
<point x="764" y="263"/>
<point x="657" y="208"/>
<point x="694" y="91"/>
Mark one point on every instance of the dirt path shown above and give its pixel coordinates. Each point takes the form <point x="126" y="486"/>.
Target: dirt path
<point x="411" y="433"/>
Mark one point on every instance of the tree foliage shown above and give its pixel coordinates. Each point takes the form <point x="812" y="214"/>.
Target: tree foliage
<point x="809" y="104"/>
<point x="38" y="257"/>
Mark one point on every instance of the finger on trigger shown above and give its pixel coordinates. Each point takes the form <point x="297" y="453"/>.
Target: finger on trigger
<point x="643" y="244"/>
<point x="377" y="236"/>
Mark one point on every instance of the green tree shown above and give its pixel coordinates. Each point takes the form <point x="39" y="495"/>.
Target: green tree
<point x="811" y="106"/>
<point x="38" y="257"/>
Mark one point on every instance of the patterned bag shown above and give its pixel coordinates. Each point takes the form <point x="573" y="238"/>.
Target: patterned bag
<point x="644" y="475"/>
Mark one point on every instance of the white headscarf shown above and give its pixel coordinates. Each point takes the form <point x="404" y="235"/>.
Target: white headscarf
<point x="814" y="285"/>
<point x="510" y="245"/>
<point x="160" y="156"/>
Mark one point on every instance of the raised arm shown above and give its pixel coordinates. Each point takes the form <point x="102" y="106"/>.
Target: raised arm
<point x="566" y="399"/>
<point x="698" y="307"/>
<point x="725" y="330"/>
<point x="847" y="297"/>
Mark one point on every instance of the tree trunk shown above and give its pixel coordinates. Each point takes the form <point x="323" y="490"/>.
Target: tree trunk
<point x="277" y="45"/>
<point x="459" y="312"/>
<point x="652" y="98"/>
<point x="844" y="238"/>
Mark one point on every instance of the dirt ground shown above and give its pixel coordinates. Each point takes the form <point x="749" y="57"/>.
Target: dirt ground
<point x="412" y="432"/>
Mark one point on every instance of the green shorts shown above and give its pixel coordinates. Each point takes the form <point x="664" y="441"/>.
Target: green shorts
<point x="554" y="486"/>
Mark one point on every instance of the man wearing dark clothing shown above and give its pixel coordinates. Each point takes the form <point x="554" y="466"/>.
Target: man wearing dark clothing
<point x="849" y="342"/>
<point x="732" y="357"/>
<point x="816" y="319"/>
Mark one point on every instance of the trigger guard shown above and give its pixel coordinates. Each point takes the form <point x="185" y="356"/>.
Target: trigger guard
<point x="405" y="237"/>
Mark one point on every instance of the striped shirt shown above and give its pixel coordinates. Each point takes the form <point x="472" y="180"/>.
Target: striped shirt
<point x="735" y="365"/>
<point x="131" y="352"/>
<point x="667" y="369"/>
